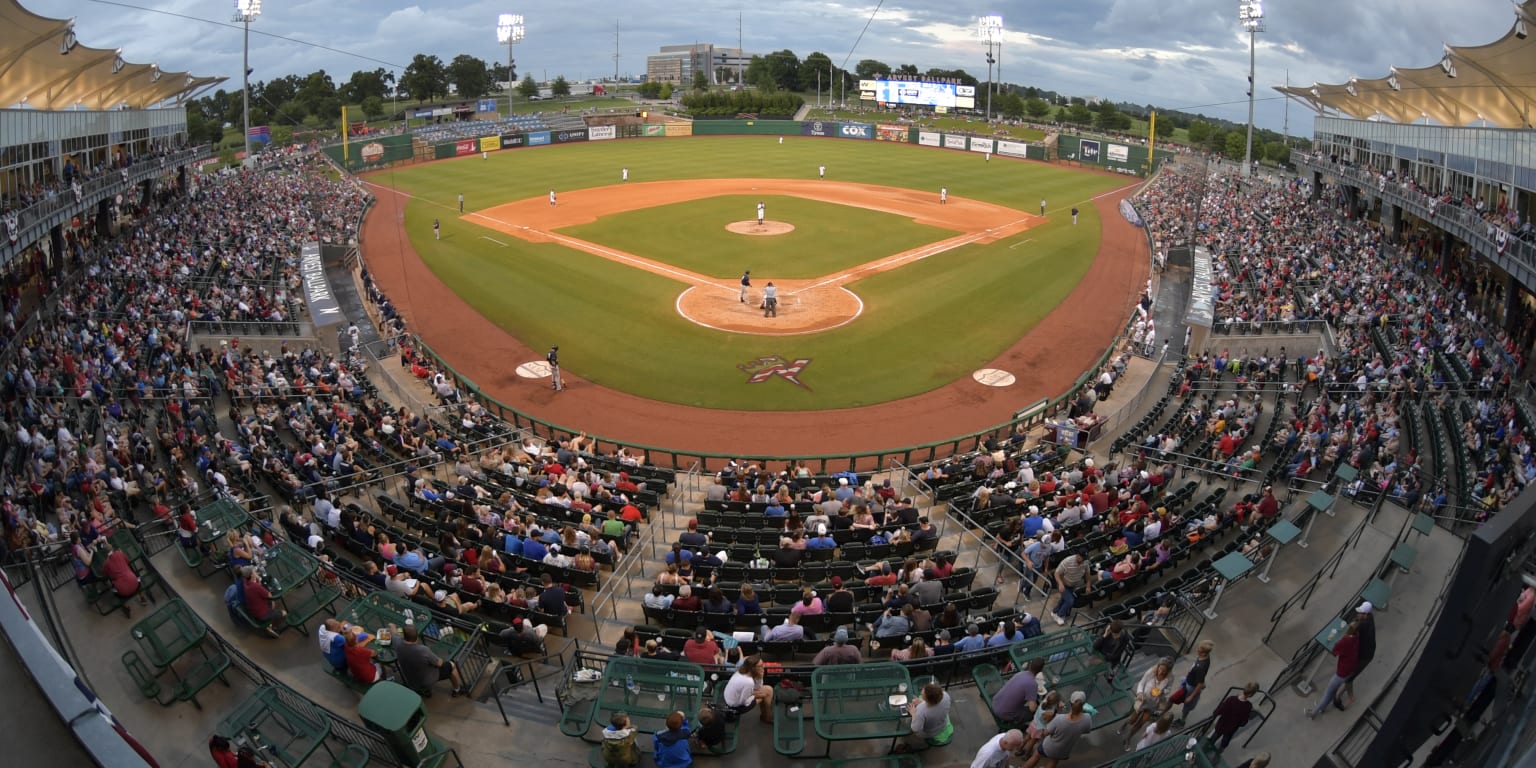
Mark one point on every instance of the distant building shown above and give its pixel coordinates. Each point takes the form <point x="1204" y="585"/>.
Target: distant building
<point x="678" y="63"/>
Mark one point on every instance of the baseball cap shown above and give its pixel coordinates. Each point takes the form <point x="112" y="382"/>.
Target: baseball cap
<point x="1079" y="697"/>
<point x="1365" y="607"/>
<point x="440" y="595"/>
<point x="840" y="636"/>
<point x="391" y="570"/>
<point x="837" y="582"/>
<point x="700" y="634"/>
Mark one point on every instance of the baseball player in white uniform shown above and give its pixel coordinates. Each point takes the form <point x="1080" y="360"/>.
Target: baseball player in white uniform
<point x="762" y="211"/>
<point x="551" y="198"/>
<point x="943" y="195"/>
<point x="626" y="175"/>
<point x="821" y="171"/>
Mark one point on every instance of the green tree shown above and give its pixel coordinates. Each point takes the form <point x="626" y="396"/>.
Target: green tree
<point x="965" y="78"/>
<point x="815" y="71"/>
<point x="362" y="85"/>
<point x="905" y="71"/>
<point x="1036" y="107"/>
<point x="560" y="87"/>
<point x="315" y="91"/>
<point x="528" y="88"/>
<point x="649" y="89"/>
<point x="470" y="75"/>
<point x="498" y="74"/>
<point x="784" y="67"/>
<point x="426" y="78"/>
<point x="1200" y="132"/>
<point x="700" y="80"/>
<point x="665" y="92"/>
<point x="1077" y="113"/>
<point x="871" y="69"/>
<point x="290" y="112"/>
<point x="760" y="74"/>
<point x="1009" y="105"/>
<point x="373" y="107"/>
<point x="1235" y="142"/>
<point x="1277" y="152"/>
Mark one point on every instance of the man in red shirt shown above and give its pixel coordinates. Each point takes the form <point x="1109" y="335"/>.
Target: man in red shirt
<point x="631" y="514"/>
<point x="1347" y="652"/>
<point x="258" y="600"/>
<point x="1269" y="508"/>
<point x="625" y="485"/>
<point x="120" y="573"/>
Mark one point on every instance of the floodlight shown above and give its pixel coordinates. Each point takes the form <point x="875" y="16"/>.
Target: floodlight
<point x="509" y="28"/>
<point x="989" y="26"/>
<point x="248" y="9"/>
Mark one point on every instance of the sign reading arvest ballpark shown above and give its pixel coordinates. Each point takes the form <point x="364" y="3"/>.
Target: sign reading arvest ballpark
<point x="323" y="309"/>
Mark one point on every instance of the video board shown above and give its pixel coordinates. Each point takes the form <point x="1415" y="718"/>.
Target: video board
<point x="919" y="93"/>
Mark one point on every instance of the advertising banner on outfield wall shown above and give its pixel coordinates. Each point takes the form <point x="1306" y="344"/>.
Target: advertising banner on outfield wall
<point x="566" y="137"/>
<point x="892" y="132"/>
<point x="490" y="143"/>
<point x="602" y="133"/>
<point x="930" y="139"/>
<point x="538" y="139"/>
<point x="510" y="140"/>
<point x="856" y="130"/>
<point x="466" y="147"/>
<point x="655" y="130"/>
<point x="1014" y="148"/>
<point x="951" y="141"/>
<point x="1117" y="153"/>
<point x="818" y="128"/>
<point x="1088" y="151"/>
<point x="983" y="145"/>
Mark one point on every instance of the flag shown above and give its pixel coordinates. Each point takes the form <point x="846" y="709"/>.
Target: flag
<point x="261" y="133"/>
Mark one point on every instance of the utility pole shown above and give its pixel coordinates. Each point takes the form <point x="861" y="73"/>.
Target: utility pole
<point x="741" y="52"/>
<point x="1285" y="127"/>
<point x="615" y="51"/>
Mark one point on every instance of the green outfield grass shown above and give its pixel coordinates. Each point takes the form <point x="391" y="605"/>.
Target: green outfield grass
<point x="692" y="235"/>
<point x="925" y="324"/>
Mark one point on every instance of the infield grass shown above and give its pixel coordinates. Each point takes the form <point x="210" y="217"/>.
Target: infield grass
<point x="692" y="235"/>
<point x="924" y="325"/>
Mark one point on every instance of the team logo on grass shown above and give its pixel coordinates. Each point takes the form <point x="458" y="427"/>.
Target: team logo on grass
<point x="766" y="368"/>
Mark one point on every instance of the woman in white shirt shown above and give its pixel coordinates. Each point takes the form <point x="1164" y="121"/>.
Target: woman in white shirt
<point x="1152" y="693"/>
<point x="745" y="690"/>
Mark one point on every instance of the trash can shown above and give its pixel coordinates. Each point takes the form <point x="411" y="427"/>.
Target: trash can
<point x="395" y="713"/>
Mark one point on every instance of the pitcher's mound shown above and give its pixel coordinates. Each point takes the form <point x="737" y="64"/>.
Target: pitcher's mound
<point x="751" y="227"/>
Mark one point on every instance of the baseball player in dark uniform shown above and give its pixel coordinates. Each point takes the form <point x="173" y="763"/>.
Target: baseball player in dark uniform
<point x="554" y="368"/>
<point x="746" y="285"/>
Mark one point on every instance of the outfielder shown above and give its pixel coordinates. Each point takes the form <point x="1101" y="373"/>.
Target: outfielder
<point x="626" y="175"/>
<point x="746" y="285"/>
<point x="943" y="195"/>
<point x="1042" y="206"/>
<point x="762" y="211"/>
<point x="437" y="230"/>
<point x="554" y="368"/>
<point x="821" y="171"/>
<point x="461" y="203"/>
<point x="551" y="198"/>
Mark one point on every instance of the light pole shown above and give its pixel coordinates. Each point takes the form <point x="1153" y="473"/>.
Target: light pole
<point x="246" y="12"/>
<point x="509" y="30"/>
<point x="990" y="30"/>
<point x="1251" y="14"/>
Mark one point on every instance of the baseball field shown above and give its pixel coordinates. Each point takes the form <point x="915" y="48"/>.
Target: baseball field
<point x="883" y="292"/>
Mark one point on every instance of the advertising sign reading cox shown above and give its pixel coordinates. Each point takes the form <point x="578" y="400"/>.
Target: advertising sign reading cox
<point x="856" y="131"/>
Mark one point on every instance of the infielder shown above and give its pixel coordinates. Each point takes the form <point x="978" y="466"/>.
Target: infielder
<point x="1042" y="205"/>
<point x="821" y="171"/>
<point x="626" y="175"/>
<point x="746" y="285"/>
<point x="943" y="195"/>
<point x="461" y="203"/>
<point x="781" y="139"/>
<point x="762" y="210"/>
<point x="554" y="368"/>
<point x="551" y="198"/>
<point x="1074" y="217"/>
<point x="437" y="230"/>
<point x="770" y="300"/>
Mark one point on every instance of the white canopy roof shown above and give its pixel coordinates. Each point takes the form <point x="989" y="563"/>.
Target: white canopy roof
<point x="1495" y="83"/>
<point x="43" y="67"/>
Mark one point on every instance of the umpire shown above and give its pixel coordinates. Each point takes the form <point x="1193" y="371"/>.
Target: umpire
<point x="554" y="368"/>
<point x="770" y="300"/>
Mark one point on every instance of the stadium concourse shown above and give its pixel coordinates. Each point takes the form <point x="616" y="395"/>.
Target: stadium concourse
<point x="116" y="428"/>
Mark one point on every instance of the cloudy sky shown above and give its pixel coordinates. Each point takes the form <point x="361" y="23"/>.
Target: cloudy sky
<point x="1186" y="54"/>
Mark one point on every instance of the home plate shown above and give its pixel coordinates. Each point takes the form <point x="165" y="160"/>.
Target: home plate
<point x="538" y="369"/>
<point x="990" y="377"/>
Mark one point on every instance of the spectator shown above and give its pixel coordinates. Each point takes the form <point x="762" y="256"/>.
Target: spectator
<point x="746" y="690"/>
<point x="420" y="668"/>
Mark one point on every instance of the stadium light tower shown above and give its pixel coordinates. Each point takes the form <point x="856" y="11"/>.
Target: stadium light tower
<point x="1251" y="14"/>
<point x="990" y="30"/>
<point x="509" y="30"/>
<point x="246" y="12"/>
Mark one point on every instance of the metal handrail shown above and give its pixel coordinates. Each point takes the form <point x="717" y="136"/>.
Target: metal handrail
<point x="1328" y="567"/>
<point x="498" y="686"/>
